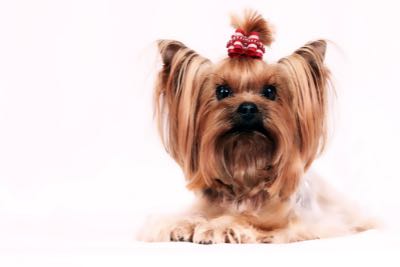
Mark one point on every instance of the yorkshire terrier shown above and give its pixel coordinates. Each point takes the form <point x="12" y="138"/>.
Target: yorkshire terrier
<point x="245" y="133"/>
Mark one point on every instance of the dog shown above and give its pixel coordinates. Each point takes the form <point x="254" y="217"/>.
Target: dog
<point x="245" y="133"/>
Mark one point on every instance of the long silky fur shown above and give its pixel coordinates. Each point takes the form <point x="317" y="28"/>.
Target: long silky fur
<point x="177" y="90"/>
<point x="310" y="82"/>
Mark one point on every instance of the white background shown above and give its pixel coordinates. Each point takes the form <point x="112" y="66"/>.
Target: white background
<point x="81" y="165"/>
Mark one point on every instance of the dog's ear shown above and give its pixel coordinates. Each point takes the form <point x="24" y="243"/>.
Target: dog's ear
<point x="168" y="49"/>
<point x="308" y="80"/>
<point x="178" y="89"/>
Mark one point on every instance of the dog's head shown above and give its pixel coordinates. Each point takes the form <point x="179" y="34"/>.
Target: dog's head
<point x="242" y="128"/>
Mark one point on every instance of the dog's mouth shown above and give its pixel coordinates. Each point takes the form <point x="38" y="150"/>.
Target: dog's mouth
<point x="256" y="128"/>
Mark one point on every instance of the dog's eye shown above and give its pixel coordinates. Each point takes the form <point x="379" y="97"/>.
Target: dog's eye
<point x="269" y="91"/>
<point x="222" y="91"/>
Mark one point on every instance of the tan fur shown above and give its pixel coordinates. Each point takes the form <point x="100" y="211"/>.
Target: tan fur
<point x="252" y="186"/>
<point x="252" y="21"/>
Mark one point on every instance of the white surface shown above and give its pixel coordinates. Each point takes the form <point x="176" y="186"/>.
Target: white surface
<point x="367" y="249"/>
<point x="80" y="162"/>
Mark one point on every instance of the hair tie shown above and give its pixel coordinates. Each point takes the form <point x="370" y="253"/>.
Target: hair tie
<point x="245" y="45"/>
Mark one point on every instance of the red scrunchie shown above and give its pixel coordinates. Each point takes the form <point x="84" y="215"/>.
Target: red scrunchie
<point x="242" y="45"/>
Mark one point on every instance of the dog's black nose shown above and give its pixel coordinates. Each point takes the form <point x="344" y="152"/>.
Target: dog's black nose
<point x="247" y="110"/>
<point x="249" y="119"/>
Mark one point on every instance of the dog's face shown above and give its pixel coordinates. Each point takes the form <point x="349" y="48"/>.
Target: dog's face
<point x="246" y="125"/>
<point x="242" y="129"/>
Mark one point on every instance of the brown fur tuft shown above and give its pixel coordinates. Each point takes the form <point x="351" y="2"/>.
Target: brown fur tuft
<point x="252" y="21"/>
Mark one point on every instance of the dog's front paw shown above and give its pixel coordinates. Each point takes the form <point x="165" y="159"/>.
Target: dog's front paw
<point x="171" y="228"/>
<point x="182" y="230"/>
<point x="223" y="230"/>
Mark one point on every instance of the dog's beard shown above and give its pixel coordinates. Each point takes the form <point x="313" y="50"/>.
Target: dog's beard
<point x="244" y="155"/>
